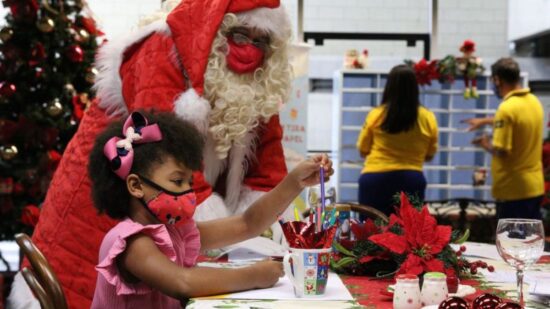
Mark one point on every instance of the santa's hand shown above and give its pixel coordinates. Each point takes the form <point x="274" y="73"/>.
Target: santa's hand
<point x="307" y="173"/>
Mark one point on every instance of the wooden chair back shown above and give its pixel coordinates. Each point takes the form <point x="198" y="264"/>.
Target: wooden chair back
<point x="38" y="290"/>
<point x="42" y="272"/>
<point x="364" y="210"/>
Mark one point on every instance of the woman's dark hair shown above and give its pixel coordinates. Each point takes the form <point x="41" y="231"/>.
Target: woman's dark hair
<point x="180" y="140"/>
<point x="401" y="100"/>
<point x="507" y="70"/>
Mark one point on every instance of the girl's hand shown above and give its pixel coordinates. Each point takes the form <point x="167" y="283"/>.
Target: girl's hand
<point x="307" y="172"/>
<point x="267" y="273"/>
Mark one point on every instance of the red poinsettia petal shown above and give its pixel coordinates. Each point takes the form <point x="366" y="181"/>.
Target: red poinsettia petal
<point x="441" y="239"/>
<point x="424" y="228"/>
<point x="367" y="258"/>
<point x="363" y="231"/>
<point x="412" y="265"/>
<point x="433" y="265"/>
<point x="394" y="243"/>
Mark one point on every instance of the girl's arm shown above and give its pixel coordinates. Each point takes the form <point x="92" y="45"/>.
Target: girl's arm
<point x="264" y="211"/>
<point x="143" y="260"/>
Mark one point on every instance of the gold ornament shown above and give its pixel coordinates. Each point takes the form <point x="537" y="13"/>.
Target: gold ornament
<point x="91" y="75"/>
<point x="8" y="152"/>
<point x="45" y="24"/>
<point x="55" y="108"/>
<point x="5" y="34"/>
<point x="82" y="36"/>
<point x="69" y="90"/>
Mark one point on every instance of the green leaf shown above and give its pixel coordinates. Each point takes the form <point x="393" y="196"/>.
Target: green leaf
<point x="343" y="250"/>
<point x="342" y="262"/>
<point x="463" y="238"/>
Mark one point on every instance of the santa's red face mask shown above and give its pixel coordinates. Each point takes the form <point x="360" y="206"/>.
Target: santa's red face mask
<point x="243" y="58"/>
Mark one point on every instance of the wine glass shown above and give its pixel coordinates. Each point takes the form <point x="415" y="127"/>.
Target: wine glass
<point x="520" y="242"/>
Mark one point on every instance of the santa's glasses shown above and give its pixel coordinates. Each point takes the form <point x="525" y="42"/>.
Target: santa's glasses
<point x="242" y="39"/>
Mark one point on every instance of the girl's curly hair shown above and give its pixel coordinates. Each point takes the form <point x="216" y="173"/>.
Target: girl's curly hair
<point x="180" y="140"/>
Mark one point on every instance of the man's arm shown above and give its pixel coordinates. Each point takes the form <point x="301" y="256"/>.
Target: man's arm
<point x="476" y="123"/>
<point x="485" y="143"/>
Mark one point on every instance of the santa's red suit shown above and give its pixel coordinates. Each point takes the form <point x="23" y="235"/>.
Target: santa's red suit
<point x="160" y="67"/>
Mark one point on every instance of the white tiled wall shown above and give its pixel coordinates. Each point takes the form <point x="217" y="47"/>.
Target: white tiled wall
<point x="117" y="17"/>
<point x="483" y="21"/>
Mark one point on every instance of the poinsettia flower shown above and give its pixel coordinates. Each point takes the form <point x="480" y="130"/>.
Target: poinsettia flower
<point x="426" y="71"/>
<point x="421" y="241"/>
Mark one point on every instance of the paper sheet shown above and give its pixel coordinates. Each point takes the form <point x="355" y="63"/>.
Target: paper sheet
<point x="540" y="287"/>
<point x="254" y="249"/>
<point x="283" y="290"/>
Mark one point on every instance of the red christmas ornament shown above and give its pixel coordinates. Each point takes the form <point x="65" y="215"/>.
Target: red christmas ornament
<point x="30" y="215"/>
<point x="75" y="53"/>
<point x="23" y="9"/>
<point x="6" y="185"/>
<point x="38" y="54"/>
<point x="454" y="303"/>
<point x="7" y="89"/>
<point x="486" y="301"/>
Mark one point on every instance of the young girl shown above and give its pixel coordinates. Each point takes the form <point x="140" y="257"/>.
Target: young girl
<point x="141" y="173"/>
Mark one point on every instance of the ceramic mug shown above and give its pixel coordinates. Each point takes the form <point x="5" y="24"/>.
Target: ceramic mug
<point x="308" y="270"/>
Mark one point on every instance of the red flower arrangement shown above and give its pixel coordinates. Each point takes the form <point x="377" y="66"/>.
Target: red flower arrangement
<point x="425" y="71"/>
<point x="410" y="243"/>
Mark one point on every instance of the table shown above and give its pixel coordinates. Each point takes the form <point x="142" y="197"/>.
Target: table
<point x="366" y="291"/>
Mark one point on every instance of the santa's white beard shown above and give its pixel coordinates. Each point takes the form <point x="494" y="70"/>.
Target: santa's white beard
<point x="239" y="104"/>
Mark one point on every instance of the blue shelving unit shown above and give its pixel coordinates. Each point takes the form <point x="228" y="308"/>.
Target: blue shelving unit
<point x="449" y="174"/>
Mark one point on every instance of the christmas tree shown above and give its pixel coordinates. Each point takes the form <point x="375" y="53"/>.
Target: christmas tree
<point x="47" y="51"/>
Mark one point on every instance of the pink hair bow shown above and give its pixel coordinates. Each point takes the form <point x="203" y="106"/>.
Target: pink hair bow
<point x="120" y="151"/>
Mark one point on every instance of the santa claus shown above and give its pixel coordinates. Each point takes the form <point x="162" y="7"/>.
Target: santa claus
<point x="221" y="64"/>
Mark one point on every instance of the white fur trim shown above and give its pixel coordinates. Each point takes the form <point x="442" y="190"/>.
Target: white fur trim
<point x="213" y="166"/>
<point x="275" y="20"/>
<point x="239" y="157"/>
<point x="189" y="106"/>
<point x="212" y="208"/>
<point x="109" y="58"/>
<point x="21" y="296"/>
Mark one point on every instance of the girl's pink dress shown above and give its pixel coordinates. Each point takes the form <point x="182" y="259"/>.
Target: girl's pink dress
<point x="181" y="245"/>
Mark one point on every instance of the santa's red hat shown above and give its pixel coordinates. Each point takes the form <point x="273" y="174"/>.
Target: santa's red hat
<point x="468" y="46"/>
<point x="194" y="24"/>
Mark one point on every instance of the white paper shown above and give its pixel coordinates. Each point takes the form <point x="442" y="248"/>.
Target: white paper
<point x="257" y="248"/>
<point x="540" y="287"/>
<point x="284" y="290"/>
<point x="475" y="249"/>
<point x="487" y="251"/>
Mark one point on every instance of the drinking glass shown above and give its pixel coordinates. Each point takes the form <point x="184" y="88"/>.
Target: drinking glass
<point x="520" y="242"/>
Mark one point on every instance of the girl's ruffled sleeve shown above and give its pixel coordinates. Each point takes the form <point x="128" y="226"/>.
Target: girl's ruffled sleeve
<point x="108" y="266"/>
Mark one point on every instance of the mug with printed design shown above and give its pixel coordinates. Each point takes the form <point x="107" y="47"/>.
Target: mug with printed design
<point x="308" y="270"/>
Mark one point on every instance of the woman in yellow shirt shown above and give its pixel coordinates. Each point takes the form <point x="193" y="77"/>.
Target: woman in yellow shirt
<point x="397" y="138"/>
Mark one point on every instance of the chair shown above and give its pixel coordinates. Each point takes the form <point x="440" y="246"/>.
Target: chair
<point x="362" y="210"/>
<point x="37" y="289"/>
<point x="41" y="279"/>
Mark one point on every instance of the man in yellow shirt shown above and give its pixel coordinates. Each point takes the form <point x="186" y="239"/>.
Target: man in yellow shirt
<point x="518" y="183"/>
